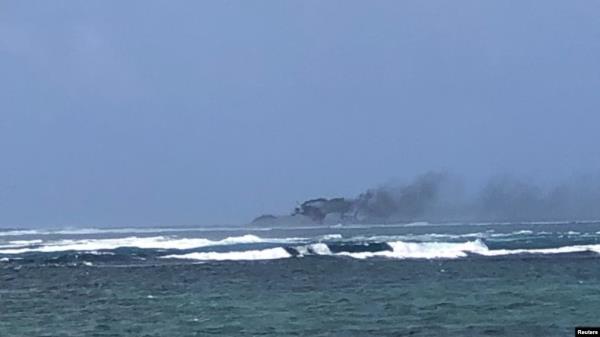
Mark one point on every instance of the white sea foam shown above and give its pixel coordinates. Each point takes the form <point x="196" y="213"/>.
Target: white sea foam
<point x="264" y="254"/>
<point x="331" y="237"/>
<point x="25" y="242"/>
<point x="313" y="249"/>
<point x="522" y="232"/>
<point x="423" y="250"/>
<point x="319" y="249"/>
<point x="157" y="242"/>
<point x="417" y="224"/>
<point x="447" y="250"/>
<point x="382" y="225"/>
<point x="95" y="252"/>
<point x="558" y="250"/>
<point x="20" y="243"/>
<point x="18" y="232"/>
<point x="429" y="237"/>
<point x="490" y="234"/>
<point x="407" y="246"/>
<point x="515" y="233"/>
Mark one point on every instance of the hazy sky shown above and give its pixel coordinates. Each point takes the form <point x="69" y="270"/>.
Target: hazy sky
<point x="212" y="112"/>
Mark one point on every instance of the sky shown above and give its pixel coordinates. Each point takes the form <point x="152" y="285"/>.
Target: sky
<point x="123" y="113"/>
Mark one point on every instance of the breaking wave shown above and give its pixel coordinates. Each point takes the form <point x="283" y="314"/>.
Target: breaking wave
<point x="423" y="250"/>
<point x="157" y="242"/>
<point x="248" y="255"/>
<point x="360" y="246"/>
<point x="18" y="232"/>
<point x="389" y="250"/>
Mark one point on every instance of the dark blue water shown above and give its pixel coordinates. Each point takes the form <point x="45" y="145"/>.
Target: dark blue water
<point x="415" y="280"/>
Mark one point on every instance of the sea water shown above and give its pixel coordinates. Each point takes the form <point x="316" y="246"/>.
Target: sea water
<point x="420" y="279"/>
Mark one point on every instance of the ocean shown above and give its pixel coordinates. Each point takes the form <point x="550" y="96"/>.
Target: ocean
<point x="418" y="279"/>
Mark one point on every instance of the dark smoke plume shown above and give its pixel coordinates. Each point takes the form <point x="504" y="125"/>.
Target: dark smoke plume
<point x="407" y="202"/>
<point x="441" y="197"/>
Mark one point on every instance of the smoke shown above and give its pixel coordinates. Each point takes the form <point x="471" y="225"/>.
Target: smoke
<point x="442" y="197"/>
<point x="406" y="202"/>
<point x="436" y="196"/>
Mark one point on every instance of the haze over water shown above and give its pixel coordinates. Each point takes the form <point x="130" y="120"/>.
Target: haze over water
<point x="139" y="139"/>
<point x="208" y="113"/>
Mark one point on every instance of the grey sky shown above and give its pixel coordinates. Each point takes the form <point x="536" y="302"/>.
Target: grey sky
<point x="211" y="112"/>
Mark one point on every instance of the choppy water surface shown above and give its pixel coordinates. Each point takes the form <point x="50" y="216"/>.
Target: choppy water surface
<point x="416" y="279"/>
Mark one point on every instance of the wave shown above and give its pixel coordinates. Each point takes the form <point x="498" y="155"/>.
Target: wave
<point x="157" y="242"/>
<point x="393" y="250"/>
<point x="423" y="250"/>
<point x="429" y="237"/>
<point x="431" y="250"/>
<point x="248" y="255"/>
<point x="18" y="232"/>
<point x="519" y="232"/>
<point x="394" y="246"/>
<point x="559" y="250"/>
<point x="405" y="246"/>
<point x="20" y="243"/>
<point x="331" y="237"/>
<point x="389" y="250"/>
<point x="445" y="250"/>
<point x="122" y="230"/>
<point x="320" y="249"/>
